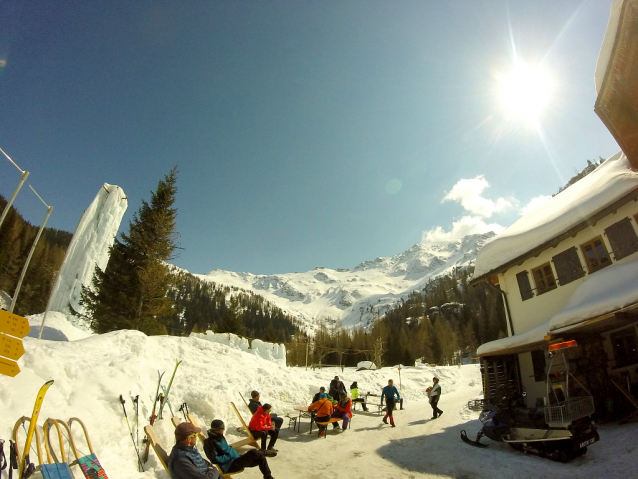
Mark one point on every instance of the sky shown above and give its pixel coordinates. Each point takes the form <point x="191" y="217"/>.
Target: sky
<point x="306" y="133"/>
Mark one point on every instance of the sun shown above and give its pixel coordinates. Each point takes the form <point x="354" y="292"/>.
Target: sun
<point x="524" y="92"/>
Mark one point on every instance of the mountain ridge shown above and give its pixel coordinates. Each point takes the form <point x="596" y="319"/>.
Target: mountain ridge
<point x="354" y="297"/>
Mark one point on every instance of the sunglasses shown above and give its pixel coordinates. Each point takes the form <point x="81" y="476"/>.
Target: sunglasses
<point x="193" y="435"/>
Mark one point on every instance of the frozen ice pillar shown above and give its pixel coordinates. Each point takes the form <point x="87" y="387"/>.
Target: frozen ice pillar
<point x="89" y="247"/>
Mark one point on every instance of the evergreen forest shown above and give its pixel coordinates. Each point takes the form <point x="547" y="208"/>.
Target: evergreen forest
<point x="17" y="236"/>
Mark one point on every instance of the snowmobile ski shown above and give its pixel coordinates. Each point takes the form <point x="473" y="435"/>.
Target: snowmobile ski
<point x="168" y="390"/>
<point x="467" y="440"/>
<point x="152" y="418"/>
<point x="26" y="468"/>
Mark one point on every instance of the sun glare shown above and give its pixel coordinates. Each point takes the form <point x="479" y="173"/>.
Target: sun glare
<point x="525" y="93"/>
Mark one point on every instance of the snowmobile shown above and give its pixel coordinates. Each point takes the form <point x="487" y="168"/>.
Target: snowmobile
<point x="561" y="431"/>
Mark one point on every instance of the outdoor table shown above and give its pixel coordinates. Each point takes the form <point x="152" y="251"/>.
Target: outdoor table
<point x="304" y="412"/>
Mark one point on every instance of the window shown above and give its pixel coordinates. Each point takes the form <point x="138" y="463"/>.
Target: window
<point x="568" y="267"/>
<point x="624" y="344"/>
<point x="538" y="363"/>
<point x="622" y="239"/>
<point x="523" y="285"/>
<point x="595" y="254"/>
<point x="544" y="278"/>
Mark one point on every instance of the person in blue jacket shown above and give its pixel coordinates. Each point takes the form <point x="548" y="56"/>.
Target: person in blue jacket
<point x="391" y="396"/>
<point x="219" y="452"/>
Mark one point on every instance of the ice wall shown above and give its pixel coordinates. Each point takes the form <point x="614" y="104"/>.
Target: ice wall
<point x="271" y="351"/>
<point x="89" y="247"/>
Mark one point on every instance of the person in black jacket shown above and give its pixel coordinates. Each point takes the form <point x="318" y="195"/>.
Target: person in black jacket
<point x="185" y="462"/>
<point x="254" y="404"/>
<point x="337" y="388"/>
<point x="316" y="397"/>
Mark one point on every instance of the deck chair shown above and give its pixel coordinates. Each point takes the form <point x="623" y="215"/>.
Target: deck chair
<point x="248" y="441"/>
<point x="177" y="421"/>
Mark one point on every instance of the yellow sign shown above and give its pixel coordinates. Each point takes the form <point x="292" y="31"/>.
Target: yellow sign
<point x="13" y="324"/>
<point x="11" y="347"/>
<point x="9" y="367"/>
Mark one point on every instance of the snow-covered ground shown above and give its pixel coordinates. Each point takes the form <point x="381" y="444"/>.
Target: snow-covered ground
<point x="91" y="371"/>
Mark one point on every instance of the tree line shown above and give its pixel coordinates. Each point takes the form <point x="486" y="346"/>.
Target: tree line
<point x="445" y="321"/>
<point x="17" y="236"/>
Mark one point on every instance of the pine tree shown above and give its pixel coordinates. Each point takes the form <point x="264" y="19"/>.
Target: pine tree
<point x="131" y="293"/>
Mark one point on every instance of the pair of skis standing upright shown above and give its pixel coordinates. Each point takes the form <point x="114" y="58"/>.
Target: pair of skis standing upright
<point x="159" y="399"/>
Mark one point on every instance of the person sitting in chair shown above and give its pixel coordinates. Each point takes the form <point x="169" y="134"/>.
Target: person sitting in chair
<point x="185" y="462"/>
<point x="219" y="452"/>
<point x="261" y="427"/>
<point x="254" y="404"/>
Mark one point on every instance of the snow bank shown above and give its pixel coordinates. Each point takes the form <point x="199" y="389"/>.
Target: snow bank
<point x="269" y="351"/>
<point x="609" y="182"/>
<point x="89" y="247"/>
<point x="59" y="327"/>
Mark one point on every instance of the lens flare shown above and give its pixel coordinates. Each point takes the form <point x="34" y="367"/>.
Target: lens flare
<point x="525" y="92"/>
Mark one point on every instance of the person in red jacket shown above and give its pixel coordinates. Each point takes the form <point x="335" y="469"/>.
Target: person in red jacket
<point x="342" y="410"/>
<point x="261" y="427"/>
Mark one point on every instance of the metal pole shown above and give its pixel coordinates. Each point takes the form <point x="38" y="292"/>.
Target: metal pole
<point x="35" y="242"/>
<point x="25" y="175"/>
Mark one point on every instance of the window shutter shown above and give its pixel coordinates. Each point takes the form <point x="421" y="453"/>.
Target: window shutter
<point x="524" y="286"/>
<point x="568" y="266"/>
<point x="622" y="238"/>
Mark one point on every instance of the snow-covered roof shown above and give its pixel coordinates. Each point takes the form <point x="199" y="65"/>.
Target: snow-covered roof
<point x="609" y="290"/>
<point x="606" y="185"/>
<point x="608" y="43"/>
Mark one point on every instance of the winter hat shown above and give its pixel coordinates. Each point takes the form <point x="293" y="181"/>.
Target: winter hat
<point x="254" y="394"/>
<point x="323" y="395"/>
<point x="216" y="425"/>
<point x="185" y="429"/>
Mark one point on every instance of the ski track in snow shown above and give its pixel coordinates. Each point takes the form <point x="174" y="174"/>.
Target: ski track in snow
<point x="91" y="373"/>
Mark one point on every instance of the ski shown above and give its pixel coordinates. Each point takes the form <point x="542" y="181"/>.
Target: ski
<point x="168" y="401"/>
<point x="467" y="440"/>
<point x="152" y="418"/>
<point x="168" y="389"/>
<point x="26" y="468"/>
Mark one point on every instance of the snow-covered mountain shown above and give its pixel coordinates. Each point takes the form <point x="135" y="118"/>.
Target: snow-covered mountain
<point x="355" y="296"/>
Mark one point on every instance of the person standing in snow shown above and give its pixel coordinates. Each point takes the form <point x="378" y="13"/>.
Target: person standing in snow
<point x="342" y="410"/>
<point x="185" y="462"/>
<point x="324" y="410"/>
<point x="337" y="388"/>
<point x="354" y="393"/>
<point x="435" y="395"/>
<point x="254" y="404"/>
<point x="391" y="396"/>
<point x="261" y="427"/>
<point x="219" y="451"/>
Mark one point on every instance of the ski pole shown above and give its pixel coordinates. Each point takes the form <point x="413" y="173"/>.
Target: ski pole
<point x="139" y="459"/>
<point x="137" y="419"/>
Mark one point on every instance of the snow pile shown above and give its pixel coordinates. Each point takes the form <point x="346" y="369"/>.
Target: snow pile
<point x="91" y="373"/>
<point x="89" y="247"/>
<point x="608" y="183"/>
<point x="58" y="327"/>
<point x="608" y="44"/>
<point x="269" y="351"/>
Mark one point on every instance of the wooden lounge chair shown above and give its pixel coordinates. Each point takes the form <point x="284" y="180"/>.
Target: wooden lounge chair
<point x="248" y="441"/>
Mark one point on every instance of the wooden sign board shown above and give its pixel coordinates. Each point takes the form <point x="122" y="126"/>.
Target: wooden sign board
<point x="11" y="347"/>
<point x="13" y="325"/>
<point x="9" y="367"/>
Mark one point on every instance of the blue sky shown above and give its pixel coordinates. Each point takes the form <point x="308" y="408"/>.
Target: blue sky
<point x="306" y="133"/>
